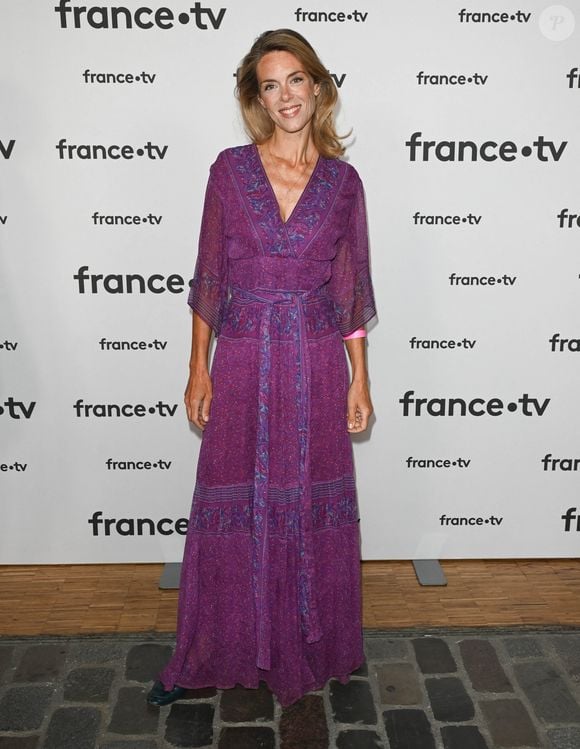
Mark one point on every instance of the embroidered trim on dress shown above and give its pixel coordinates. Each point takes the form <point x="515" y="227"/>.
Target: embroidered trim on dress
<point x="283" y="237"/>
<point x="227" y="509"/>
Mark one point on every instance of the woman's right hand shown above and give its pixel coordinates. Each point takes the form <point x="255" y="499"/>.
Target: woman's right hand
<point x="198" y="395"/>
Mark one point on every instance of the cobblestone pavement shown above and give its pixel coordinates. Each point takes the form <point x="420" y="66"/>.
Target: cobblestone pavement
<point x="468" y="689"/>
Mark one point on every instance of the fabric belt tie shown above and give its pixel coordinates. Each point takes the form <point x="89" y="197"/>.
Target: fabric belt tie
<point x="260" y="547"/>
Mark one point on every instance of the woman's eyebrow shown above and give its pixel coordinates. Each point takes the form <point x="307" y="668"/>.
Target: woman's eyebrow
<point x="274" y="80"/>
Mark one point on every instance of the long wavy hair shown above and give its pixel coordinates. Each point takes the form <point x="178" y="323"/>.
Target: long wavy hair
<point x="258" y="123"/>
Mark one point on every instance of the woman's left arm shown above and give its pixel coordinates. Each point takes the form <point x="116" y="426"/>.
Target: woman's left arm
<point x="359" y="400"/>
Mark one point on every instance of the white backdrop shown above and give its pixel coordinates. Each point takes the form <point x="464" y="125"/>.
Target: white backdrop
<point x="507" y="481"/>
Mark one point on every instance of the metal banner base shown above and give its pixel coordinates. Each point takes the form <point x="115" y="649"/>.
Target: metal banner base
<point x="170" y="576"/>
<point x="429" y="572"/>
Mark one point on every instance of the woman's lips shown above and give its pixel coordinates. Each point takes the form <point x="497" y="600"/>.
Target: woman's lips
<point x="290" y="111"/>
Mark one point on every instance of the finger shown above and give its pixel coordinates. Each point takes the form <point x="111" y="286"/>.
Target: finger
<point x="205" y="408"/>
<point x="364" y="415"/>
<point x="189" y="402"/>
<point x="193" y="412"/>
<point x="353" y="419"/>
<point x="351" y="416"/>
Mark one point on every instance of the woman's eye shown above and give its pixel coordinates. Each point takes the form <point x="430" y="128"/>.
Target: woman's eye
<point x="268" y="86"/>
<point x="298" y="79"/>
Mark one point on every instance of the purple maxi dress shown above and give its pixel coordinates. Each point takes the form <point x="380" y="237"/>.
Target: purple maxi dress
<point x="270" y="583"/>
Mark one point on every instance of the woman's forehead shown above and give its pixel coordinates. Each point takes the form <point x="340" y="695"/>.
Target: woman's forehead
<point x="278" y="63"/>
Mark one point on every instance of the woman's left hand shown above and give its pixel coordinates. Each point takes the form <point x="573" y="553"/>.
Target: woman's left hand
<point x="359" y="406"/>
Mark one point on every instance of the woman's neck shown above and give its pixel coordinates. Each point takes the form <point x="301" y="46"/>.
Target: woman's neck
<point x="293" y="148"/>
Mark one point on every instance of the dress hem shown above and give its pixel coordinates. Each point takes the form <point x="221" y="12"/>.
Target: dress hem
<point x="343" y="678"/>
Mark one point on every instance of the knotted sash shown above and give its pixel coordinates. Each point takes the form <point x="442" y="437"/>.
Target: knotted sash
<point x="260" y="547"/>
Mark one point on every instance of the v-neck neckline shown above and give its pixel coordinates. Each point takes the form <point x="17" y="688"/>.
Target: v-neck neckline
<point x="273" y="194"/>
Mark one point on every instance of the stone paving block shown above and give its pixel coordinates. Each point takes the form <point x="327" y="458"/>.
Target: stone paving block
<point x="449" y="699"/>
<point x="19" y="742"/>
<point x="303" y="724"/>
<point x="548" y="693"/>
<point x="132" y="715"/>
<point x="139" y="744"/>
<point x="561" y="738"/>
<point x="247" y="737"/>
<point x="509" y="723"/>
<point x="87" y="670"/>
<point x="433" y="656"/>
<point x="568" y="649"/>
<point x="203" y="693"/>
<point x="146" y="660"/>
<point x="523" y="647"/>
<point x="98" y="651"/>
<point x="190" y="725"/>
<point x="41" y="663"/>
<point x="362" y="670"/>
<point x="88" y="684"/>
<point x="357" y="739"/>
<point x="23" y="708"/>
<point x="483" y="666"/>
<point x="241" y="705"/>
<point x="352" y="702"/>
<point x="383" y="649"/>
<point x="73" y="727"/>
<point x="6" y="652"/>
<point x="408" y="729"/>
<point x="462" y="737"/>
<point x="398" y="684"/>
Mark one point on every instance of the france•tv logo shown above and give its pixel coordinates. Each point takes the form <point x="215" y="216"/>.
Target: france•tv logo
<point x="571" y="519"/>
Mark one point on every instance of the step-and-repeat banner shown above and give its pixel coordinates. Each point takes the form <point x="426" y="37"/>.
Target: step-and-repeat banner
<point x="465" y="132"/>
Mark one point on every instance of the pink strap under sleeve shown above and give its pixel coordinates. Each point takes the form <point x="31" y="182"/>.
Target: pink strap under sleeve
<point x="360" y="333"/>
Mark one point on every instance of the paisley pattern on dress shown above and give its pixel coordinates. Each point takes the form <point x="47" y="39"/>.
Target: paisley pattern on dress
<point x="270" y="582"/>
<point x="285" y="237"/>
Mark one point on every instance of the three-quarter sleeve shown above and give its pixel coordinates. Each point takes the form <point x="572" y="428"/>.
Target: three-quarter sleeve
<point x="350" y="285"/>
<point x="209" y="286"/>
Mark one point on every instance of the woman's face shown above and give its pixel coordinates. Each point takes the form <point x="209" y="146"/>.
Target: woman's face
<point x="286" y="91"/>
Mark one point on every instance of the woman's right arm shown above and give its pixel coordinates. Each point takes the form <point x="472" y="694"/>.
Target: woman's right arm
<point x="198" y="393"/>
<point x="207" y="295"/>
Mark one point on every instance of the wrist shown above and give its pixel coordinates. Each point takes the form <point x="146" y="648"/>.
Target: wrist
<point x="360" y="379"/>
<point x="197" y="367"/>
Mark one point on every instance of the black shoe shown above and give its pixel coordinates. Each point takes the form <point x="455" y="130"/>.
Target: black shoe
<point x="160" y="696"/>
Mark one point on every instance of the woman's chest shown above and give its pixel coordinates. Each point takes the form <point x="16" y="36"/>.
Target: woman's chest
<point x="255" y="210"/>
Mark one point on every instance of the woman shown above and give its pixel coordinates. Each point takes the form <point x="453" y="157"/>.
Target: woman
<point x="270" y="583"/>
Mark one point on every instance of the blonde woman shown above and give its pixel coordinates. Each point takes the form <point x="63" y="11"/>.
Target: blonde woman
<point x="270" y="583"/>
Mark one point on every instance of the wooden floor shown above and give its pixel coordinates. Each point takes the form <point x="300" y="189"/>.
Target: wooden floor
<point x="77" y="599"/>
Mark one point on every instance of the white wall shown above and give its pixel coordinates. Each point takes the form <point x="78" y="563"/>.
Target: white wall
<point x="51" y="356"/>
